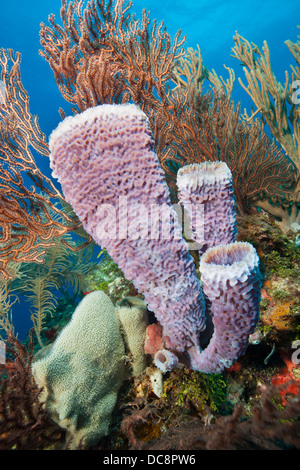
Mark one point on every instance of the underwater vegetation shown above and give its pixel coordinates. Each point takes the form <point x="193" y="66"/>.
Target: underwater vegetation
<point x="103" y="55"/>
<point x="144" y="127"/>
<point x="60" y="276"/>
<point x="108" y="277"/>
<point x="278" y="105"/>
<point x="31" y="217"/>
<point x="24" y="424"/>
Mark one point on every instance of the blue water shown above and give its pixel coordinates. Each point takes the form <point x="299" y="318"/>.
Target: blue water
<point x="209" y="23"/>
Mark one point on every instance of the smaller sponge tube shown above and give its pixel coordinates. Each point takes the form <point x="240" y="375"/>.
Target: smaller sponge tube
<point x="206" y="192"/>
<point x="232" y="282"/>
<point x="165" y="360"/>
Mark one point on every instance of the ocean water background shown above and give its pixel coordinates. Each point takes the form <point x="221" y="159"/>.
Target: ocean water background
<point x="209" y="23"/>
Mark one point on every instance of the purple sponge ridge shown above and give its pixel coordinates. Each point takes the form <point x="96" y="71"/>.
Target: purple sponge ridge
<point x="232" y="282"/>
<point x="208" y="186"/>
<point x="104" y="159"/>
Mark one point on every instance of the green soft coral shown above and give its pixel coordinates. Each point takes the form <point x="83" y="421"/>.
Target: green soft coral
<point x="108" y="277"/>
<point x="202" y="390"/>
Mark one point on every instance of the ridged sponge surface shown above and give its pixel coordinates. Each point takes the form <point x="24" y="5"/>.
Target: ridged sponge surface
<point x="208" y="186"/>
<point x="232" y="282"/>
<point x="105" y="161"/>
<point x="83" y="371"/>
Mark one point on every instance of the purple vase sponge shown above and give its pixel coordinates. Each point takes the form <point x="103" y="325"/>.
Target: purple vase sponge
<point x="104" y="159"/>
<point x="232" y="282"/>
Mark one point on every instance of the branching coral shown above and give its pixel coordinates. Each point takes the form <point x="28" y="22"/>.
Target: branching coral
<point x="191" y="72"/>
<point x="62" y="270"/>
<point x="279" y="107"/>
<point x="24" y="424"/>
<point x="270" y="427"/>
<point x="210" y="129"/>
<point x="31" y="217"/>
<point x="104" y="55"/>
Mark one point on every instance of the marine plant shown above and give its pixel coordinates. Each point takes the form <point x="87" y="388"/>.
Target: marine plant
<point x="62" y="273"/>
<point x="278" y="106"/>
<point x="104" y="55"/>
<point x="31" y="216"/>
<point x="24" y="423"/>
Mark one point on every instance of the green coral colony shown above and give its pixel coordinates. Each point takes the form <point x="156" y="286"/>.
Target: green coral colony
<point x="191" y="307"/>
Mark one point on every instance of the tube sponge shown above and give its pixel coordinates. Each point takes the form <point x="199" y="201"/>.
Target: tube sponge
<point x="232" y="282"/>
<point x="83" y="371"/>
<point x="105" y="161"/>
<point x="165" y="360"/>
<point x="206" y="192"/>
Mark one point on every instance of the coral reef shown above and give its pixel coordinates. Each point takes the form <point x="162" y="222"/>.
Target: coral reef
<point x="171" y="291"/>
<point x="170" y="286"/>
<point x="279" y="109"/>
<point x="196" y="409"/>
<point x="31" y="217"/>
<point x="104" y="55"/>
<point x="81" y="373"/>
<point x="24" y="423"/>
